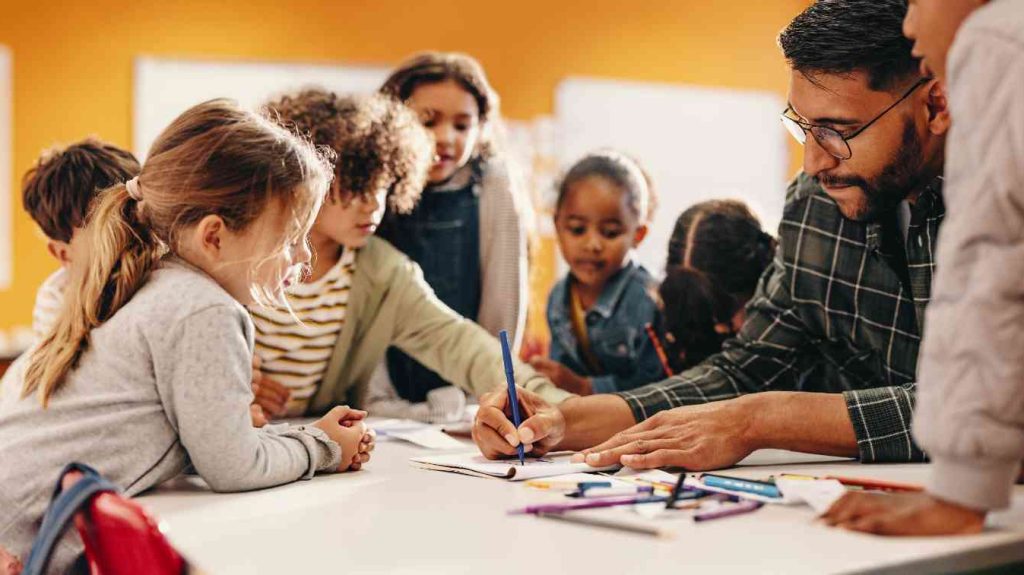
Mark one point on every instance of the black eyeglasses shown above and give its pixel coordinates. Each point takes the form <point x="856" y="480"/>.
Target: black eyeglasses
<point x="829" y="139"/>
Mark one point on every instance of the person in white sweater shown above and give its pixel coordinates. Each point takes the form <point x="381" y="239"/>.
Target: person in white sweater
<point x="970" y="412"/>
<point x="57" y="192"/>
<point x="147" y="371"/>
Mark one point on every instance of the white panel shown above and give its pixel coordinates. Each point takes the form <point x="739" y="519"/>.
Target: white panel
<point x="6" y="163"/>
<point x="164" y="88"/>
<point x="697" y="143"/>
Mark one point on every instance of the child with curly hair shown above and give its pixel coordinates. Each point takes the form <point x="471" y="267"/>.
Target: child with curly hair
<point x="364" y="295"/>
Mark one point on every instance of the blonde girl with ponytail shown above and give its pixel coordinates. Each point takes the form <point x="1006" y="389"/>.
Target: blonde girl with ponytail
<point x="148" y="368"/>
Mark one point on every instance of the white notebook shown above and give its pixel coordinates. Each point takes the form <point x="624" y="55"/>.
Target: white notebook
<point x="474" y="464"/>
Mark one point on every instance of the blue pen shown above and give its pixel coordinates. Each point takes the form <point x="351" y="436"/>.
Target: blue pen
<point x="513" y="397"/>
<point x="739" y="484"/>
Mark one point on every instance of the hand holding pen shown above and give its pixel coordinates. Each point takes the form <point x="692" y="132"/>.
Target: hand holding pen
<point x="494" y="433"/>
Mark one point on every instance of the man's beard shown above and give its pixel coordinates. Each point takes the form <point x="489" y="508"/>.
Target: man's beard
<point x="900" y="177"/>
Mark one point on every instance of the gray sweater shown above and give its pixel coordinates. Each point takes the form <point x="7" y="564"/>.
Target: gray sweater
<point x="164" y="384"/>
<point x="970" y="406"/>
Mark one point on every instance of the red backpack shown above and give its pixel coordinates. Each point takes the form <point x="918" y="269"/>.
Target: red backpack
<point x="120" y="537"/>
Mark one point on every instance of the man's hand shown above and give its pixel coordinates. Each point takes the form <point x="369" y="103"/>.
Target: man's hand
<point x="497" y="437"/>
<point x="903" y="514"/>
<point x="562" y="376"/>
<point x="696" y="437"/>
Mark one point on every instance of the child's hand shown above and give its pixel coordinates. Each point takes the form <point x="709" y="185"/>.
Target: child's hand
<point x="259" y="419"/>
<point x="366" y="445"/>
<point x="345" y="427"/>
<point x="9" y="564"/>
<point x="271" y="396"/>
<point x="913" y="514"/>
<point x="562" y="376"/>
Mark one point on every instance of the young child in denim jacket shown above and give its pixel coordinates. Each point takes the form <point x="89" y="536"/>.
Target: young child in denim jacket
<point x="598" y="312"/>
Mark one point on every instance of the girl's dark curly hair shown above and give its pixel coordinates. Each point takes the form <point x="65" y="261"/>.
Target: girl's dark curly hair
<point x="378" y="142"/>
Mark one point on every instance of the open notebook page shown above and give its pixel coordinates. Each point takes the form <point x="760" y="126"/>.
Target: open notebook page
<point x="473" y="463"/>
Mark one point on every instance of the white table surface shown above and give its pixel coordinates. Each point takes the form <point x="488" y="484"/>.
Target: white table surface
<point x="394" y="518"/>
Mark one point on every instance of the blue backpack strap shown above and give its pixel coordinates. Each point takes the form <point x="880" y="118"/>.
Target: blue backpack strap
<point x="63" y="506"/>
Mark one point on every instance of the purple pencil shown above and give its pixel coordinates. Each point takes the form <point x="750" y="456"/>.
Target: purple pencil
<point x="745" y="506"/>
<point x="586" y="504"/>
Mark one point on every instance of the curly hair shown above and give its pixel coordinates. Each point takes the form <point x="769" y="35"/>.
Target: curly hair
<point x="378" y="142"/>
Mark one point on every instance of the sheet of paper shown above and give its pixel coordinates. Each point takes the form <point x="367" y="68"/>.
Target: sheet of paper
<point x="415" y="432"/>
<point x="385" y="427"/>
<point x="430" y="438"/>
<point x="648" y="476"/>
<point x="581" y="477"/>
<point x="476" y="464"/>
<point x="820" y="494"/>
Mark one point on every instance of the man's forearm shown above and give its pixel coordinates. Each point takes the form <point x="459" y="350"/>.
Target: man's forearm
<point x="593" y="419"/>
<point x="799" y="421"/>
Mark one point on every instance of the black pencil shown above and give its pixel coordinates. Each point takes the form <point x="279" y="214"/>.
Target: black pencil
<point x="675" y="491"/>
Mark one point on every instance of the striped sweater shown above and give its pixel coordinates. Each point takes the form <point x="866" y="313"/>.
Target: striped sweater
<point x="296" y="354"/>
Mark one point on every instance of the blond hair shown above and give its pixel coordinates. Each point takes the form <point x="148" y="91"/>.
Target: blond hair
<point x="214" y="159"/>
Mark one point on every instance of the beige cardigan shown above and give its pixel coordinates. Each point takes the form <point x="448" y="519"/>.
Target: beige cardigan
<point x="391" y="304"/>
<point x="970" y="403"/>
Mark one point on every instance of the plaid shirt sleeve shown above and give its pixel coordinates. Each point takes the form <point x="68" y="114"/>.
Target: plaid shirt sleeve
<point x="771" y="352"/>
<point x="764" y="355"/>
<point x="881" y="418"/>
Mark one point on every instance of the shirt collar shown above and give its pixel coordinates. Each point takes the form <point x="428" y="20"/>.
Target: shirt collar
<point x="467" y="175"/>
<point x="614" y="290"/>
<point x="929" y="204"/>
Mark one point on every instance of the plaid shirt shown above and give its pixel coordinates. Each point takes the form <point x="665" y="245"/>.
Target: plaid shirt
<point x="841" y="309"/>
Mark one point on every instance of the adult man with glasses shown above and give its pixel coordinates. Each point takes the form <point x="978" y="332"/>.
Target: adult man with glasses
<point x="839" y="312"/>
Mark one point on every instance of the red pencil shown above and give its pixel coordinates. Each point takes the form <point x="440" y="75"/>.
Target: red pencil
<point x="876" y="484"/>
<point x="658" y="349"/>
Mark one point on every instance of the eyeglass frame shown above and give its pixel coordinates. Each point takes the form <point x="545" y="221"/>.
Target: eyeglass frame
<point x="806" y="127"/>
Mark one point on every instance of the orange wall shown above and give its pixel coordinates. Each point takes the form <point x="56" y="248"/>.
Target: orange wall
<point x="73" y="59"/>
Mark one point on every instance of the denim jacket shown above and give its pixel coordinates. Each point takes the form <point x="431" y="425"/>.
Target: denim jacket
<point x="615" y="326"/>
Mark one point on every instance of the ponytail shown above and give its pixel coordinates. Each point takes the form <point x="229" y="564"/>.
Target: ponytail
<point x="123" y="252"/>
<point x="692" y="305"/>
<point x="716" y="255"/>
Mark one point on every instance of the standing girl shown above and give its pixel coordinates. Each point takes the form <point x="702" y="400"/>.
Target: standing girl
<point x="466" y="233"/>
<point x="148" y="368"/>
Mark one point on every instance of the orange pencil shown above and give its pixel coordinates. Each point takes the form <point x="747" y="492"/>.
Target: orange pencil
<point x="875" y="484"/>
<point x="658" y="349"/>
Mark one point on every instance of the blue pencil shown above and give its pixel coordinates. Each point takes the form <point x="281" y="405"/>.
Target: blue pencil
<point x="513" y="397"/>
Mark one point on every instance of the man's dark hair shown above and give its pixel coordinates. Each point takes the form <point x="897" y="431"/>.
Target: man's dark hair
<point x="845" y="36"/>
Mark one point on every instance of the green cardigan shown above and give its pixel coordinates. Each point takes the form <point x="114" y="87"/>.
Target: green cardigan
<point x="391" y="304"/>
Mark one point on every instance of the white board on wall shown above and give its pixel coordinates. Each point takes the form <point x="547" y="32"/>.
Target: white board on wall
<point x="6" y="165"/>
<point x="164" y="88"/>
<point x="697" y="143"/>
